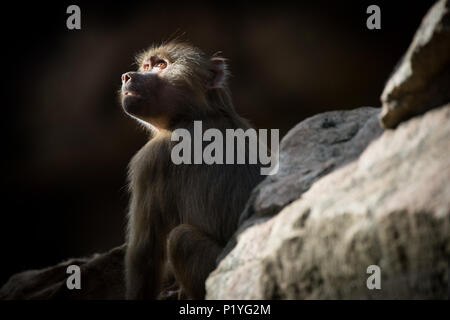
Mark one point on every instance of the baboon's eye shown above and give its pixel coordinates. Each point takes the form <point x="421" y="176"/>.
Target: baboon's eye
<point x="145" y="67"/>
<point x="161" y="64"/>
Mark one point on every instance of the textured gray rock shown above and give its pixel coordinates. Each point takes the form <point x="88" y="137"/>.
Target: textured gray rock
<point x="313" y="148"/>
<point x="422" y="79"/>
<point x="101" y="278"/>
<point x="390" y="208"/>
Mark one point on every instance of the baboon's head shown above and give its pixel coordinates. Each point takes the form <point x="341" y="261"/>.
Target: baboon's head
<point x="173" y="81"/>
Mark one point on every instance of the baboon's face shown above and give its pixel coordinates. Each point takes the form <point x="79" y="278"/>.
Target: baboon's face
<point x="169" y="81"/>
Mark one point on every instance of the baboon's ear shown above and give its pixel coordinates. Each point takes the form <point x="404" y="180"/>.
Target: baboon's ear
<point x="219" y="70"/>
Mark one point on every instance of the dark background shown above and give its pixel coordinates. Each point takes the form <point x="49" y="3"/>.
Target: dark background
<point x="66" y="142"/>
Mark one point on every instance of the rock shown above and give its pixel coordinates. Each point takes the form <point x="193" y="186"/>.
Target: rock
<point x="422" y="79"/>
<point x="312" y="149"/>
<point x="390" y="208"/>
<point x="101" y="278"/>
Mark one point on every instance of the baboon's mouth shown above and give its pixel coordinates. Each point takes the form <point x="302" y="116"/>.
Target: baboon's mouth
<point x="129" y="93"/>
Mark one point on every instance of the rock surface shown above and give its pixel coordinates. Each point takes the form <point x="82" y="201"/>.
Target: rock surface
<point x="422" y="79"/>
<point x="313" y="148"/>
<point x="390" y="208"/>
<point x="102" y="278"/>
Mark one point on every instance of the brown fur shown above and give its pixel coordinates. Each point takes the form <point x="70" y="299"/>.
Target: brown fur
<point x="181" y="213"/>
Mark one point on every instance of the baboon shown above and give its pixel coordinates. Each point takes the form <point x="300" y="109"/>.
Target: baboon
<point x="184" y="214"/>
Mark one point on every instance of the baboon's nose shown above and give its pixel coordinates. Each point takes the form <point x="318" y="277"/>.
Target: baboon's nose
<point x="125" y="77"/>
